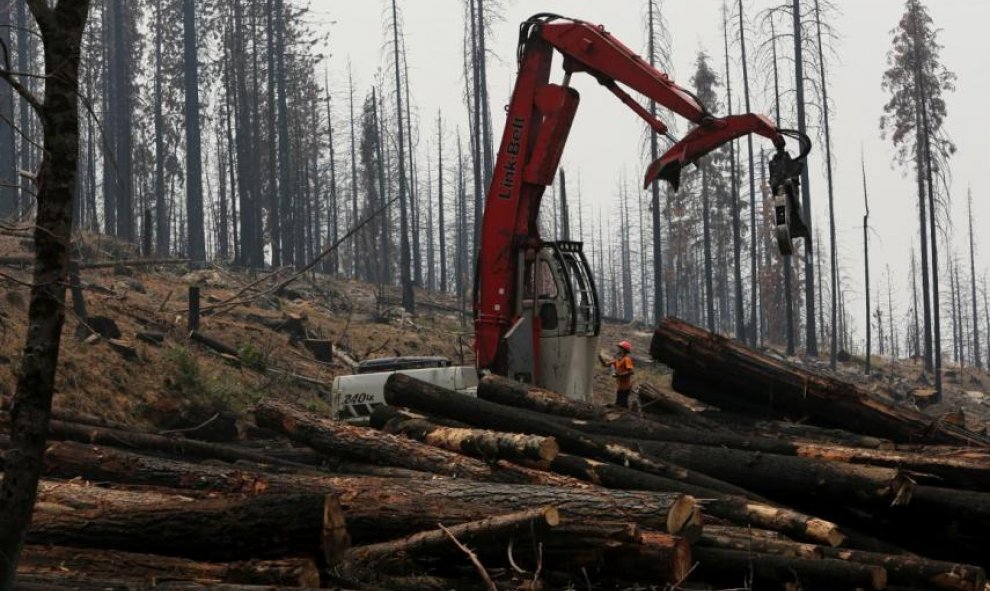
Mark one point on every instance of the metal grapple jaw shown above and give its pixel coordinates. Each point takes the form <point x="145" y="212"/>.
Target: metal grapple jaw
<point x="785" y="183"/>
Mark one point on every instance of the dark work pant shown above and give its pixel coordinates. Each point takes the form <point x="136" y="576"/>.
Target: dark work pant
<point x="622" y="398"/>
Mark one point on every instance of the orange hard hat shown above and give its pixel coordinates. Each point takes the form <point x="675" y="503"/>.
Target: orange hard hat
<point x="626" y="345"/>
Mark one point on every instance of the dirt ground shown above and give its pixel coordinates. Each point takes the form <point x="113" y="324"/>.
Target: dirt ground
<point x="180" y="383"/>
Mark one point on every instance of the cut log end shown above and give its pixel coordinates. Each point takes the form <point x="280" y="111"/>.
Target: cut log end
<point x="335" y="539"/>
<point x="552" y="516"/>
<point x="825" y="531"/>
<point x="684" y="516"/>
<point x="549" y="449"/>
<point x="878" y="576"/>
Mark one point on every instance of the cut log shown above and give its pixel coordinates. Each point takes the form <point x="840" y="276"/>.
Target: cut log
<point x="473" y="442"/>
<point x="288" y="572"/>
<point x="913" y="571"/>
<point x="735" y="565"/>
<point x="368" y="445"/>
<point x="738" y="510"/>
<point x="266" y="526"/>
<point x="177" y="446"/>
<point x="730" y="367"/>
<point x="759" y="545"/>
<point x="788" y="477"/>
<point x="72" y="582"/>
<point x="402" y="390"/>
<point x="383" y="508"/>
<point x="491" y="528"/>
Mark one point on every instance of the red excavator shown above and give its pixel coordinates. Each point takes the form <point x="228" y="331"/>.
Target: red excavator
<point x="536" y="310"/>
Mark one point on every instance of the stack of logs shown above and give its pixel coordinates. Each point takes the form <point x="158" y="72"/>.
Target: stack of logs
<point x="523" y="488"/>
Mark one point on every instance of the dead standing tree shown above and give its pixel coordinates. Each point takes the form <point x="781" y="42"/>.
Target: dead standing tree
<point x="61" y="30"/>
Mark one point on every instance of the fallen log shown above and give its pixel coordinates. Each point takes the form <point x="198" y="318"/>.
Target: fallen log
<point x="369" y="445"/>
<point x="404" y="391"/>
<point x="72" y="582"/>
<point x="490" y="528"/>
<point x="473" y="442"/>
<point x="729" y="367"/>
<point x="265" y="526"/>
<point x="737" y="510"/>
<point x="381" y="508"/>
<point x="656" y="557"/>
<point x="287" y="572"/>
<point x="215" y="345"/>
<point x="175" y="446"/>
<point x="759" y="545"/>
<point x="911" y="571"/>
<point x="788" y="477"/>
<point x="735" y="565"/>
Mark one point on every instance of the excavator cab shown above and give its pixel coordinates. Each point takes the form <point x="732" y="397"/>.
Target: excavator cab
<point x="557" y="291"/>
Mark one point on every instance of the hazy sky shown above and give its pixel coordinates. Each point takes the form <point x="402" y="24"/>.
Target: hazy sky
<point x="606" y="138"/>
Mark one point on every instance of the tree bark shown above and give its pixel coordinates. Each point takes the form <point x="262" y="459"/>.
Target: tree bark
<point x="787" y="477"/>
<point x="497" y="527"/>
<point x="362" y="444"/>
<point x="265" y="526"/>
<point x="194" y="166"/>
<point x="61" y="30"/>
<point x="176" y="446"/>
<point x="811" y="332"/>
<point x="109" y="564"/>
<point x="828" y="573"/>
<point x="716" y="364"/>
<point x="402" y="390"/>
<point x="473" y="442"/>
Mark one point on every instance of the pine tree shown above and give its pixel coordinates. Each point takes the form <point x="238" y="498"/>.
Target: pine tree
<point x="913" y="119"/>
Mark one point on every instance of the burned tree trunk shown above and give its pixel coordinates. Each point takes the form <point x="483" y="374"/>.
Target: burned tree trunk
<point x="402" y="390"/>
<point x="472" y="442"/>
<point x="368" y="445"/>
<point x="109" y="564"/>
<point x="716" y="364"/>
<point x="499" y="526"/>
<point x="266" y="526"/>
<point x="61" y="30"/>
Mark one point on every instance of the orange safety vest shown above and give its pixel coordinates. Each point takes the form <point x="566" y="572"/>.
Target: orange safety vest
<point x="623" y="365"/>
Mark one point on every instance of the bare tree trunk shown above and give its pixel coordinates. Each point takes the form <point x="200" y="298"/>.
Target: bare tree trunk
<point x="333" y="218"/>
<point x="788" y="264"/>
<point x="354" y="177"/>
<point x="415" y="224"/>
<point x="754" y="312"/>
<point x="61" y="30"/>
<point x="977" y="359"/>
<point x="25" y="56"/>
<point x="866" y="262"/>
<point x="486" y="116"/>
<point x="408" y="297"/>
<point x="658" y="279"/>
<point x="734" y="188"/>
<point x="9" y="200"/>
<point x="834" y="258"/>
<point x="811" y="331"/>
<point x="707" y="237"/>
<point x="442" y="227"/>
<point x="161" y="218"/>
<point x="194" y="164"/>
<point x="565" y="222"/>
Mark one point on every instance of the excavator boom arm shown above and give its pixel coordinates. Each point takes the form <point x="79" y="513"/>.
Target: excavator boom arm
<point x="539" y="119"/>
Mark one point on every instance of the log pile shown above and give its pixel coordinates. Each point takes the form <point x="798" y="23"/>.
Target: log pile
<point x="520" y="488"/>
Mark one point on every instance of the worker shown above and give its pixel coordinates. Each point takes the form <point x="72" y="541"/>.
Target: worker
<point x="622" y="371"/>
